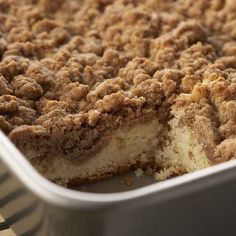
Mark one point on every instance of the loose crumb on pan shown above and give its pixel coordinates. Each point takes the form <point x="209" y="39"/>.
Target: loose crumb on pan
<point x="139" y="172"/>
<point x="128" y="181"/>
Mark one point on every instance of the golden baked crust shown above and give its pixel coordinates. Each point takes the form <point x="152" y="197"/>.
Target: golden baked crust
<point x="83" y="67"/>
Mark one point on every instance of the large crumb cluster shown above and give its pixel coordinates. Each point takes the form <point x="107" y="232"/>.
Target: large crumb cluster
<point x="67" y="66"/>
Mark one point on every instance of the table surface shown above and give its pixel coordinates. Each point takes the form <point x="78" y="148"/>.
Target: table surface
<point x="7" y="232"/>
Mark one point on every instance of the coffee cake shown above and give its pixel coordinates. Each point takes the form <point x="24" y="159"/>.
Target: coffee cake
<point x="90" y="89"/>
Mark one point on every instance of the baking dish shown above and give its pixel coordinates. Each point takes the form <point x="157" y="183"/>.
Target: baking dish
<point x="200" y="203"/>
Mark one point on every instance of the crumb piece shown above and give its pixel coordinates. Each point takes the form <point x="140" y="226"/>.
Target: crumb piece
<point x="139" y="172"/>
<point x="128" y="181"/>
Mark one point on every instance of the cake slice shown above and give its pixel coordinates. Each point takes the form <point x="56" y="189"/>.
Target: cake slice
<point x="91" y="89"/>
<point x="163" y="148"/>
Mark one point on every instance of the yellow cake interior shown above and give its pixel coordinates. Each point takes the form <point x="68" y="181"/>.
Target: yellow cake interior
<point x="146" y="145"/>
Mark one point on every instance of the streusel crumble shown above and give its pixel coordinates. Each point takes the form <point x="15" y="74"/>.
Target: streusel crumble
<point x="89" y="89"/>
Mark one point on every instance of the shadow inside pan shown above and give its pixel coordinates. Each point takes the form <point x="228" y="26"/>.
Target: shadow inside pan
<point x="116" y="184"/>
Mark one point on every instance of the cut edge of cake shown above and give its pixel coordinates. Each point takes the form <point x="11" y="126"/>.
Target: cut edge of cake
<point x="164" y="149"/>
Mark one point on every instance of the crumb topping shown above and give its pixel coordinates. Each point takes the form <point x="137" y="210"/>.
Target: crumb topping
<point x="71" y="64"/>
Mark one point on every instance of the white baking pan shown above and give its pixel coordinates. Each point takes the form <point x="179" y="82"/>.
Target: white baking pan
<point x="200" y="203"/>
